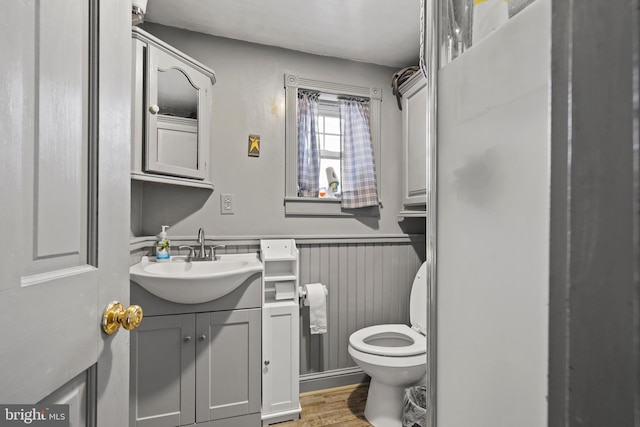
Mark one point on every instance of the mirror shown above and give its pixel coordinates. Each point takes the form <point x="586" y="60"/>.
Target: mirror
<point x="176" y="95"/>
<point x="177" y="98"/>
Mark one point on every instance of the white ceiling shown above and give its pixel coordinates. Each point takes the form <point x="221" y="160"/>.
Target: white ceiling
<point x="384" y="32"/>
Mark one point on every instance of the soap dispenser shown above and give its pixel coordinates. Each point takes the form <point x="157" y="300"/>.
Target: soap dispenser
<point x="163" y="247"/>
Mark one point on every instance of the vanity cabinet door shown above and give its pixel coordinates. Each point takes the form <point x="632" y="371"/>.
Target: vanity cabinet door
<point x="178" y="117"/>
<point x="228" y="354"/>
<point x="162" y="385"/>
<point x="414" y="140"/>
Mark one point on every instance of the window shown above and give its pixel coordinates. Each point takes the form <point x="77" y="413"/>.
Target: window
<point x="318" y="199"/>
<point x="329" y="143"/>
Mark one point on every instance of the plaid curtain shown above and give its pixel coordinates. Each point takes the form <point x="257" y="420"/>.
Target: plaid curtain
<point x="308" y="150"/>
<point x="358" y="166"/>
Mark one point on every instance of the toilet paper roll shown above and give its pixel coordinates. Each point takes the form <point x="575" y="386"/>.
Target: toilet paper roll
<point x="316" y="301"/>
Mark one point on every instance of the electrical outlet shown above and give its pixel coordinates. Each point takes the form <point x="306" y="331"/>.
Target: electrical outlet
<point x="226" y="204"/>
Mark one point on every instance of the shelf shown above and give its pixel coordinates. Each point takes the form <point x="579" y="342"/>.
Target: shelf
<point x="278" y="250"/>
<point x="407" y="213"/>
<point x="279" y="257"/>
<point x="161" y="179"/>
<point x="281" y="278"/>
<point x="271" y="305"/>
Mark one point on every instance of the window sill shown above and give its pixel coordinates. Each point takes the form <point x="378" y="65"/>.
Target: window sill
<point x="303" y="206"/>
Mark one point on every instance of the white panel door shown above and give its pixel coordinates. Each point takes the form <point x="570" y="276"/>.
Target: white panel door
<point x="54" y="277"/>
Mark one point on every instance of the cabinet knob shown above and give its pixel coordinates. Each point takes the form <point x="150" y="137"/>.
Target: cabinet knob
<point x="266" y="363"/>
<point x="187" y="338"/>
<point x="202" y="337"/>
<point x="154" y="109"/>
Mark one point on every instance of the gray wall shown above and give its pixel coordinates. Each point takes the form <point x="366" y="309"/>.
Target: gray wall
<point x="248" y="98"/>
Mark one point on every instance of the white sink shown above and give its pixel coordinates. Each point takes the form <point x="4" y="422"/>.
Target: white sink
<point x="194" y="282"/>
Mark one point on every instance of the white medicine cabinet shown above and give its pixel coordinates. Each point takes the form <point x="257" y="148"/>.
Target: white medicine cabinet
<point x="171" y="107"/>
<point x="414" y="146"/>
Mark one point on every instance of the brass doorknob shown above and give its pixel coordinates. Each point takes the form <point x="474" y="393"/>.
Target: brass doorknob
<point x="115" y="315"/>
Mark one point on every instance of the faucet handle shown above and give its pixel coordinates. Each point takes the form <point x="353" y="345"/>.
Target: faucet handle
<point x="212" y="250"/>
<point x="191" y="251"/>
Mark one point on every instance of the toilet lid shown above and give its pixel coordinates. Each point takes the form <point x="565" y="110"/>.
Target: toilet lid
<point x="418" y="300"/>
<point x="365" y="340"/>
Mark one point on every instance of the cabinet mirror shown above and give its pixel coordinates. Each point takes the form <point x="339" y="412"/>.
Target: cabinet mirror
<point x="176" y="94"/>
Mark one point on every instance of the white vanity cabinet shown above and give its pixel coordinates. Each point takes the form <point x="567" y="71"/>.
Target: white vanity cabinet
<point x="171" y="107"/>
<point x="198" y="364"/>
<point x="280" y="332"/>
<point x="414" y="142"/>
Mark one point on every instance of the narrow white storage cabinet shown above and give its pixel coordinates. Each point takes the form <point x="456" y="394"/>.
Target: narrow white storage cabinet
<point x="280" y="331"/>
<point x="414" y="141"/>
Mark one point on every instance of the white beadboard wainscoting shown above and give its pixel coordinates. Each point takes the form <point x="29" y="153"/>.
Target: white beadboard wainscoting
<point x="369" y="281"/>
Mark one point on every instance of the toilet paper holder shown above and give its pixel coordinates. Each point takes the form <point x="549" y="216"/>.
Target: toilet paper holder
<point x="303" y="293"/>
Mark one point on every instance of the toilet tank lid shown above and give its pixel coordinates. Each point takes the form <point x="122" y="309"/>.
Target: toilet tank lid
<point x="418" y="301"/>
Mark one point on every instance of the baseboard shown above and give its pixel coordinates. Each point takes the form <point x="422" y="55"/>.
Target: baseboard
<point x="279" y="417"/>
<point x="331" y="379"/>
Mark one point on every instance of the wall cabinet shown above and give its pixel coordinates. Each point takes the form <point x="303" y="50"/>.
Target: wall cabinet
<point x="280" y="332"/>
<point x="414" y="141"/>
<point x="198" y="367"/>
<point x="171" y="107"/>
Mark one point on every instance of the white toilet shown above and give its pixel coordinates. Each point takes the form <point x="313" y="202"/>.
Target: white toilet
<point x="394" y="356"/>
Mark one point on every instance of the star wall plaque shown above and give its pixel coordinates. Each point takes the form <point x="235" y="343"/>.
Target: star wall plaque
<point x="254" y="145"/>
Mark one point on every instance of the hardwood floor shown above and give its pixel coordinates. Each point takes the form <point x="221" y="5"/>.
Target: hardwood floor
<point x="340" y="406"/>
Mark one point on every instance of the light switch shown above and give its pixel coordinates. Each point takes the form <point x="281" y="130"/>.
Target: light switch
<point x="226" y="204"/>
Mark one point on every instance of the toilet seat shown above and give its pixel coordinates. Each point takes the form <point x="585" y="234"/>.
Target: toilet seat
<point x="363" y="340"/>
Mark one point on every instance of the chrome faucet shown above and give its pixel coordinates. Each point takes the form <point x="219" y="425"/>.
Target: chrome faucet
<point x="200" y="240"/>
<point x="201" y="254"/>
